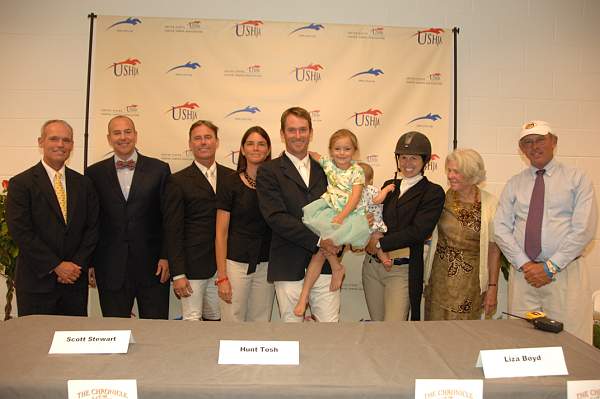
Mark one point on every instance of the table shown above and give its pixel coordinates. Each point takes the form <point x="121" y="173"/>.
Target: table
<point x="177" y="359"/>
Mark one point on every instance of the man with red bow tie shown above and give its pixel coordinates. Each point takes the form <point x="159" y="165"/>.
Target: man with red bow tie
<point x="130" y="261"/>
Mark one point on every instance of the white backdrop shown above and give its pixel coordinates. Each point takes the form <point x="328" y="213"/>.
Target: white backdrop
<point x="377" y="81"/>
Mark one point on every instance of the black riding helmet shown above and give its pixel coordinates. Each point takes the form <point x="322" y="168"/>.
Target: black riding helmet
<point x="413" y="143"/>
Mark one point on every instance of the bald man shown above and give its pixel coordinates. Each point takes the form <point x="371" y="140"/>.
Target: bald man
<point x="130" y="260"/>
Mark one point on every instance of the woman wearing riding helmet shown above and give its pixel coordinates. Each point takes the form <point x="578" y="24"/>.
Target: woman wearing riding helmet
<point x="410" y="212"/>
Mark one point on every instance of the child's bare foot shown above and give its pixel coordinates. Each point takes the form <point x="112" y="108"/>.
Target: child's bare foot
<point x="300" y="309"/>
<point x="337" y="277"/>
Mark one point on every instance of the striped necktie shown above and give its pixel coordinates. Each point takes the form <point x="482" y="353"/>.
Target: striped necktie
<point x="61" y="194"/>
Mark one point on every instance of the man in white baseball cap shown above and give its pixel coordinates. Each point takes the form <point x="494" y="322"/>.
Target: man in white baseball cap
<point x="545" y="218"/>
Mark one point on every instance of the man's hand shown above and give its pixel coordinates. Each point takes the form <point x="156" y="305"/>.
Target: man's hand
<point x="182" y="287"/>
<point x="163" y="270"/>
<point x="67" y="272"/>
<point x="371" y="248"/>
<point x="91" y="277"/>
<point x="329" y="247"/>
<point x="535" y="274"/>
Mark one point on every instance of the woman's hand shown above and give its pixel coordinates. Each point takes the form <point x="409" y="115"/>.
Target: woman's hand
<point x="371" y="248"/>
<point x="224" y="289"/>
<point x="490" y="300"/>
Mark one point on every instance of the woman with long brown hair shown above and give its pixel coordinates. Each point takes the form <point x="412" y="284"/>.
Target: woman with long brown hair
<point x="243" y="237"/>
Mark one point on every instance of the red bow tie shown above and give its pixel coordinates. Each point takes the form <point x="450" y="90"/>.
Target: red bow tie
<point x="126" y="164"/>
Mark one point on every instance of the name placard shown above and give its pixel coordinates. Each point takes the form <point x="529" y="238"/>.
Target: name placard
<point x="259" y="352"/>
<point x="584" y="389"/>
<point x="448" y="389"/>
<point x="90" y="342"/>
<point x="523" y="362"/>
<point x="105" y="389"/>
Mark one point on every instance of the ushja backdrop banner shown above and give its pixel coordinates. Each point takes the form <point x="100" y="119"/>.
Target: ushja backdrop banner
<point x="377" y="81"/>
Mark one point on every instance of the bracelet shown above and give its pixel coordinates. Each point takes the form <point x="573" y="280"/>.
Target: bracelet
<point x="221" y="280"/>
<point x="492" y="285"/>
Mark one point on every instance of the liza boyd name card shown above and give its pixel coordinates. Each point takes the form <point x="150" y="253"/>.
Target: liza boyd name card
<point x="522" y="362"/>
<point x="259" y="352"/>
<point x="91" y="342"/>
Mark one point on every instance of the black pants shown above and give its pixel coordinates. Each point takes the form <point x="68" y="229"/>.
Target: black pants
<point x="65" y="300"/>
<point x="152" y="300"/>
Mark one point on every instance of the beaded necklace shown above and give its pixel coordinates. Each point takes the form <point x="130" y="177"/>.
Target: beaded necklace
<point x="250" y="180"/>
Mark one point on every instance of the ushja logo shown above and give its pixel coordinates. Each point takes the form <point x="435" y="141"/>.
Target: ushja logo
<point x="431" y="36"/>
<point x="129" y="21"/>
<point x="308" y="73"/>
<point x="187" y="65"/>
<point x="370" y="71"/>
<point x="126" y="67"/>
<point x="368" y="118"/>
<point x="184" y="111"/>
<point x="249" y="109"/>
<point x="315" y="27"/>
<point x="248" y="28"/>
<point x="254" y="68"/>
<point x="429" y="116"/>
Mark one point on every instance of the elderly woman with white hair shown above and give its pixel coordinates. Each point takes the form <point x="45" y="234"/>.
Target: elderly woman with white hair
<point x="461" y="270"/>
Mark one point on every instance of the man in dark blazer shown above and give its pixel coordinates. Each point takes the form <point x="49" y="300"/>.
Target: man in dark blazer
<point x="52" y="214"/>
<point x="130" y="261"/>
<point x="285" y="185"/>
<point x="190" y="217"/>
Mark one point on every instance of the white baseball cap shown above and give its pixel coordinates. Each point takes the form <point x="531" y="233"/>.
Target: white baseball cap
<point x="535" y="127"/>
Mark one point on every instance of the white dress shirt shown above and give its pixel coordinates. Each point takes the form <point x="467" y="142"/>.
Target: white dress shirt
<point x="51" y="173"/>
<point x="569" y="220"/>
<point x="210" y="173"/>
<point x="125" y="175"/>
<point x="302" y="165"/>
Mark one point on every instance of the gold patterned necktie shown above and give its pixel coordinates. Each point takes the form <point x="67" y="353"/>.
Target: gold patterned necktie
<point x="61" y="194"/>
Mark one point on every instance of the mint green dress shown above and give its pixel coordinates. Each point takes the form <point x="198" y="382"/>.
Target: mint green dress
<point x="318" y="214"/>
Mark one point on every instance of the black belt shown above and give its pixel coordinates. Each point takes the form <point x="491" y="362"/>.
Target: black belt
<point x="401" y="261"/>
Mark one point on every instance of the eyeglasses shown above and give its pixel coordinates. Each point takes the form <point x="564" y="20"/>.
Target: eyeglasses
<point x="528" y="142"/>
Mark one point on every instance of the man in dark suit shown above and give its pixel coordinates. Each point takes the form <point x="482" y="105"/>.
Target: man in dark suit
<point x="52" y="214"/>
<point x="130" y="261"/>
<point x="285" y="185"/>
<point x="190" y="217"/>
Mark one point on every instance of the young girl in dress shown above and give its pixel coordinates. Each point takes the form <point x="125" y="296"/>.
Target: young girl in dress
<point x="335" y="215"/>
<point x="372" y="200"/>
